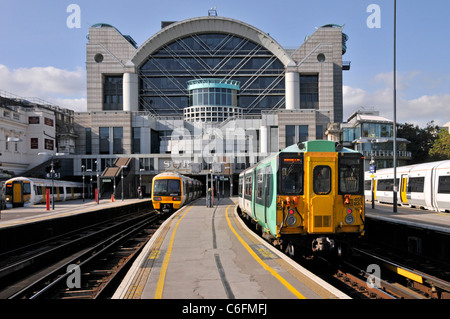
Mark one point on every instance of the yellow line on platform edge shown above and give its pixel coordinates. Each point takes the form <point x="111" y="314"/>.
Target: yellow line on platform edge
<point x="262" y="263"/>
<point x="162" y="275"/>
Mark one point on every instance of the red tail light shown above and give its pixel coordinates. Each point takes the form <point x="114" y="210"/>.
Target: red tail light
<point x="176" y="198"/>
<point x="156" y="198"/>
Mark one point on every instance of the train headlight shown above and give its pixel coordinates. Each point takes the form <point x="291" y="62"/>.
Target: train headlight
<point x="349" y="219"/>
<point x="176" y="198"/>
<point x="156" y="199"/>
<point x="291" y="220"/>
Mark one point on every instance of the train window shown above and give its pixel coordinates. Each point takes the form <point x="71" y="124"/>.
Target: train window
<point x="248" y="185"/>
<point x="268" y="192"/>
<point x="351" y="175"/>
<point x="386" y="185"/>
<point x="171" y="187"/>
<point x="9" y="189"/>
<point x="26" y="188"/>
<point x="322" y="179"/>
<point x="241" y="182"/>
<point x="415" y="184"/>
<point x="291" y="175"/>
<point x="444" y="185"/>
<point x="259" y="186"/>
<point x="368" y="185"/>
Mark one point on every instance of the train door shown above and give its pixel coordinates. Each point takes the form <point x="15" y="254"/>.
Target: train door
<point x="403" y="189"/>
<point x="321" y="194"/>
<point x="17" y="194"/>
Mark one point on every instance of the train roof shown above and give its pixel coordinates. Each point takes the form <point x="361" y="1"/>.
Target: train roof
<point x="308" y="146"/>
<point x="42" y="180"/>
<point x="317" y="146"/>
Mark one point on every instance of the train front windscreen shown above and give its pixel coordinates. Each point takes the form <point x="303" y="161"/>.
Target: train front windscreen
<point x="167" y="187"/>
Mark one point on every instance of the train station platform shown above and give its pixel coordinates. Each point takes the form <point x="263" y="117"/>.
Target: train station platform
<point x="209" y="253"/>
<point x="414" y="217"/>
<point x="22" y="215"/>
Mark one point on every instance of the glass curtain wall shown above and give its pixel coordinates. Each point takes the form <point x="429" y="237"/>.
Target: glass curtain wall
<point x="163" y="77"/>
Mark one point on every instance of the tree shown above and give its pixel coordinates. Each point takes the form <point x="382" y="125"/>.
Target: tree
<point x="441" y="147"/>
<point x="421" y="140"/>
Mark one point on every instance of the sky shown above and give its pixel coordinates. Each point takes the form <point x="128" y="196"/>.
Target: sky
<point x="44" y="56"/>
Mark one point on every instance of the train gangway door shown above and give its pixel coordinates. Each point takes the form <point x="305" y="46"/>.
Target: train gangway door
<point x="403" y="189"/>
<point x="321" y="174"/>
<point x="17" y="192"/>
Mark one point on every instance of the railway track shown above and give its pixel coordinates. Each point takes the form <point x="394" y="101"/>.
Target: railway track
<point x="372" y="272"/>
<point x="395" y="275"/>
<point x="81" y="264"/>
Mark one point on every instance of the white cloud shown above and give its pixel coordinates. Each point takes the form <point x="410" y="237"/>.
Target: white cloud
<point x="418" y="111"/>
<point x="57" y="86"/>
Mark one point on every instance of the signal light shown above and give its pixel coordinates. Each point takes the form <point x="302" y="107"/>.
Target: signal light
<point x="291" y="212"/>
<point x="349" y="210"/>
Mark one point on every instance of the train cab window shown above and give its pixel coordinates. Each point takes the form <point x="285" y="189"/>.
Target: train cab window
<point x="171" y="187"/>
<point x="9" y="189"/>
<point x="351" y="175"/>
<point x="26" y="188"/>
<point x="291" y="175"/>
<point x="322" y="179"/>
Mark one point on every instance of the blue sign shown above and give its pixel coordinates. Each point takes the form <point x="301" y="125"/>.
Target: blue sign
<point x="372" y="168"/>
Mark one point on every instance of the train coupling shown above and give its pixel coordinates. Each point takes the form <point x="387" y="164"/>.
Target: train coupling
<point x="321" y="244"/>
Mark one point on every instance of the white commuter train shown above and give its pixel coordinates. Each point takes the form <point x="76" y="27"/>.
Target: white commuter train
<point x="23" y="191"/>
<point x="424" y="185"/>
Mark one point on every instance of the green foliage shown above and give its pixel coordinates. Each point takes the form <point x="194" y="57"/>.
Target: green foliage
<point x="421" y="140"/>
<point x="441" y="147"/>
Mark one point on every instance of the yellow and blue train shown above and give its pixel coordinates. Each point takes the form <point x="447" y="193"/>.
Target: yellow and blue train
<point x="309" y="195"/>
<point x="170" y="191"/>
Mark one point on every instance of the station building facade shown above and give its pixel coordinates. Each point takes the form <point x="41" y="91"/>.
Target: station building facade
<point x="202" y="91"/>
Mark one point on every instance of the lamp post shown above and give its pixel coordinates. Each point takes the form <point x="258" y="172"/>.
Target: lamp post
<point x="372" y="166"/>
<point x="123" y="167"/>
<point x="90" y="183"/>
<point x="83" y="168"/>
<point x="52" y="173"/>
<point x="98" y="183"/>
<point x="140" y="182"/>
<point x="395" y="109"/>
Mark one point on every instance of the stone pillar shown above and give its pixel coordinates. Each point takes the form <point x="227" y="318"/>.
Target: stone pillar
<point x="130" y="92"/>
<point x="292" y="83"/>
<point x="263" y="140"/>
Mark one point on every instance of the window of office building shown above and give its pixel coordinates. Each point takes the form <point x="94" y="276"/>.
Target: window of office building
<point x="117" y="140"/>
<point x="136" y="144"/>
<point x="104" y="140"/>
<point x="296" y="133"/>
<point x="112" y="93"/>
<point x="88" y="140"/>
<point x="309" y="92"/>
<point x="319" y="132"/>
